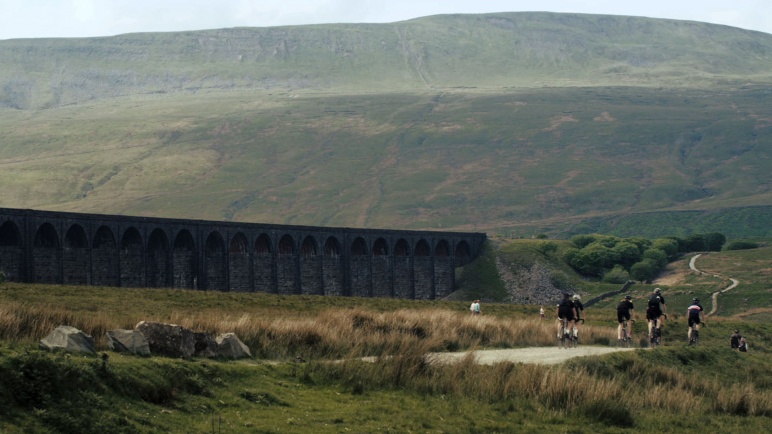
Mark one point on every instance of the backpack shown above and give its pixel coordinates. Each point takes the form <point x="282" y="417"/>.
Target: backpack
<point x="654" y="301"/>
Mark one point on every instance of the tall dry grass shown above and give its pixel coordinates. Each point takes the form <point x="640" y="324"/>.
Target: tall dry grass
<point x="336" y="332"/>
<point x="562" y="388"/>
<point x="333" y="333"/>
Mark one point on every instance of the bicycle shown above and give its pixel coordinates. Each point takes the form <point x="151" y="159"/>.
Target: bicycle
<point x="575" y="332"/>
<point x="655" y="337"/>
<point x="626" y="340"/>
<point x="695" y="334"/>
<point x="566" y="338"/>
<point x="695" y="337"/>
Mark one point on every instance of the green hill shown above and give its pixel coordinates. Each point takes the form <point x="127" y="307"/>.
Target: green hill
<point x="516" y="123"/>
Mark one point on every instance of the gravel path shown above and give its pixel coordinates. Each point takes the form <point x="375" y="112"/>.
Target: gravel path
<point x="538" y="355"/>
<point x="714" y="297"/>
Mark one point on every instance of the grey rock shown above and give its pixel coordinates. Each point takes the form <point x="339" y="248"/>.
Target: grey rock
<point x="168" y="339"/>
<point x="230" y="346"/>
<point x="128" y="341"/>
<point x="69" y="339"/>
<point x="205" y="345"/>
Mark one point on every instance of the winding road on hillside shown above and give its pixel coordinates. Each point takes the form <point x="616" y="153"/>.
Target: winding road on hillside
<point x="714" y="297"/>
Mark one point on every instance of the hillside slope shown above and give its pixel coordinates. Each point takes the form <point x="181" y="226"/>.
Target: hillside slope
<point x="487" y="51"/>
<point x="512" y="123"/>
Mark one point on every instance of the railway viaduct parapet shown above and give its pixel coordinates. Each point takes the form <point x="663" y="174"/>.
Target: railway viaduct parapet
<point x="125" y="251"/>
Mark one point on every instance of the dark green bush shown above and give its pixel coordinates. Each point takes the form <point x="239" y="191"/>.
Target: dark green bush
<point x="616" y="275"/>
<point x="656" y="256"/>
<point x="643" y="271"/>
<point x="741" y="245"/>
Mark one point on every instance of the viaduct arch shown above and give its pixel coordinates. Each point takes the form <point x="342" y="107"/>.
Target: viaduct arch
<point x="124" y="251"/>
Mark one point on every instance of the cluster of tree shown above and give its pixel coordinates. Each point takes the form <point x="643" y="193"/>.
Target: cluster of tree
<point x="617" y="260"/>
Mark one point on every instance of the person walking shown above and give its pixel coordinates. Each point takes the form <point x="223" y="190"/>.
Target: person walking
<point x="475" y="307"/>
<point x="541" y="313"/>
<point x="734" y="341"/>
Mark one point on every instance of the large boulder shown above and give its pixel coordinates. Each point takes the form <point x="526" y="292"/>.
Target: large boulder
<point x="230" y="346"/>
<point x="168" y="339"/>
<point x="128" y="341"/>
<point x="176" y="341"/>
<point x="69" y="339"/>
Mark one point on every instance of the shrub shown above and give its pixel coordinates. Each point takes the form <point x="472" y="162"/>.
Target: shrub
<point x="547" y="247"/>
<point x="629" y="253"/>
<point x="714" y="241"/>
<point x="2" y="276"/>
<point x="693" y="243"/>
<point x="583" y="240"/>
<point x="656" y="256"/>
<point x="616" y="275"/>
<point x="741" y="245"/>
<point x="667" y="245"/>
<point x="643" y="271"/>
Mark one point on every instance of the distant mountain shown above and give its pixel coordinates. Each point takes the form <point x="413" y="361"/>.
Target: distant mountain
<point x="509" y="122"/>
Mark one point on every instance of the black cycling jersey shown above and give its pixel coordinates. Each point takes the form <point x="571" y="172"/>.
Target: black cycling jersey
<point x="656" y="301"/>
<point x="623" y="310"/>
<point x="579" y="308"/>
<point x="566" y="310"/>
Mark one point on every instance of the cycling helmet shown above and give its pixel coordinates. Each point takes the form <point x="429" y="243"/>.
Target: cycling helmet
<point x="695" y="300"/>
<point x="627" y="297"/>
<point x="657" y="291"/>
<point x="577" y="297"/>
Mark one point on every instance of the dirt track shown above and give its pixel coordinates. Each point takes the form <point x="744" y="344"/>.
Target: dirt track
<point x="538" y="355"/>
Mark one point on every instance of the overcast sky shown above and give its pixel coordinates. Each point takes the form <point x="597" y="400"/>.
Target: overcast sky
<point x="85" y="18"/>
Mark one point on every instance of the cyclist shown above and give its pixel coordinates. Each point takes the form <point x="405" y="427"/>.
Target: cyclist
<point x="579" y="309"/>
<point x="567" y="311"/>
<point x="625" y="312"/>
<point x="695" y="313"/>
<point x="655" y="310"/>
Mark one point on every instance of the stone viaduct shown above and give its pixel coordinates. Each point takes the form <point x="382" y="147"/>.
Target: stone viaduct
<point x="122" y="251"/>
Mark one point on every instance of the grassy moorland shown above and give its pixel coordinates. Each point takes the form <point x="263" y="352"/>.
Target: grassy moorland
<point x="642" y="391"/>
<point x="514" y="124"/>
